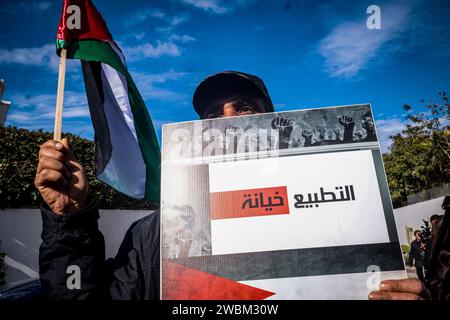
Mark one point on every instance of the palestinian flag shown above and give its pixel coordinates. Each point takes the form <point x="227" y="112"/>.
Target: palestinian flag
<point x="126" y="147"/>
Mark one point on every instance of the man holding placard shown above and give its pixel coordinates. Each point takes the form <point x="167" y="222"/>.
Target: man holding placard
<point x="70" y="230"/>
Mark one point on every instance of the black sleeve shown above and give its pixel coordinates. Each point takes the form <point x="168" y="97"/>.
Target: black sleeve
<point x="72" y="240"/>
<point x="134" y="272"/>
<point x="411" y="254"/>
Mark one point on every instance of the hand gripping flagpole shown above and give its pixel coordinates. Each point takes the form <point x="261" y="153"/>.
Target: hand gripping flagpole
<point x="60" y="96"/>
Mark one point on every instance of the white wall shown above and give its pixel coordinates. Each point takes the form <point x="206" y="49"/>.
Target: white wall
<point x="20" y="232"/>
<point x="414" y="214"/>
<point x="20" y="236"/>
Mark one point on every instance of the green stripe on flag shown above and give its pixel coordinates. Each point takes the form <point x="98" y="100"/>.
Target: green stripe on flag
<point x="147" y="141"/>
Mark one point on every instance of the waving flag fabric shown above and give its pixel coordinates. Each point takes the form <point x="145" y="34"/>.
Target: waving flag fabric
<point x="127" y="150"/>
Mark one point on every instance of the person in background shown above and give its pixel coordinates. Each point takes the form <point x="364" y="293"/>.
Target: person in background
<point x="438" y="287"/>
<point x="416" y="255"/>
<point x="70" y="234"/>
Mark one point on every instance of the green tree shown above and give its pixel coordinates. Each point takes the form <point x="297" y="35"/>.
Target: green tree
<point x="419" y="157"/>
<point x="18" y="160"/>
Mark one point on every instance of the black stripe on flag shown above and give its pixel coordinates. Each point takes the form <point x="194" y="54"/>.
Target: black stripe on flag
<point x="299" y="262"/>
<point x="94" y="91"/>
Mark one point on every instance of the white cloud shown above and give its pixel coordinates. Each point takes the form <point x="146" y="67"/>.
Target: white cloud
<point x="177" y="20"/>
<point x="148" y="50"/>
<point x="38" y="112"/>
<point x="351" y="46"/>
<point x="36" y="56"/>
<point x="218" y="6"/>
<point x="40" y="102"/>
<point x="182" y="38"/>
<point x="161" y="48"/>
<point x="141" y="15"/>
<point x="171" y="24"/>
<point x="42" y="6"/>
<point x="139" y="36"/>
<point x="214" y="6"/>
<point x="77" y="112"/>
<point x="25" y="108"/>
<point x="20" y="117"/>
<point x="149" y="89"/>
<point x="387" y="128"/>
<point x="68" y="113"/>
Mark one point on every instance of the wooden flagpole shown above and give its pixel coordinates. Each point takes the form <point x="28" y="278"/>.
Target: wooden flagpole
<point x="60" y="96"/>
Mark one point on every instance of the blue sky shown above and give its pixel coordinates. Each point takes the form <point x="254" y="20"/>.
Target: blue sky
<point x="309" y="53"/>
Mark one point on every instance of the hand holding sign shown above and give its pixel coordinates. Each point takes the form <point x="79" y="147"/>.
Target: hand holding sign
<point x="405" y="289"/>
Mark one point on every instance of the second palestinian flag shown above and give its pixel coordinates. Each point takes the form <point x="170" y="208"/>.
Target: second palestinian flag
<point x="127" y="150"/>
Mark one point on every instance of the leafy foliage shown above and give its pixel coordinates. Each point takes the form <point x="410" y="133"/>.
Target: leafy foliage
<point x="419" y="157"/>
<point x="18" y="160"/>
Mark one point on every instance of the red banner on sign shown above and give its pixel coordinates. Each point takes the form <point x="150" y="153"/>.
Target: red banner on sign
<point x="249" y="203"/>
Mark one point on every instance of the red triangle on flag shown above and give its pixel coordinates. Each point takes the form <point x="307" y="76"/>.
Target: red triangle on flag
<point x="92" y="24"/>
<point x="182" y="283"/>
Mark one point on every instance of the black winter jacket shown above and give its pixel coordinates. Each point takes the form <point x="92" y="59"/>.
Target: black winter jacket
<point x="416" y="254"/>
<point x="74" y="239"/>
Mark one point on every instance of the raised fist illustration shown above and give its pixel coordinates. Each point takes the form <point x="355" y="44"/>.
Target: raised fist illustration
<point x="346" y="122"/>
<point x="284" y="127"/>
<point x="308" y="137"/>
<point x="184" y="238"/>
<point x="349" y="125"/>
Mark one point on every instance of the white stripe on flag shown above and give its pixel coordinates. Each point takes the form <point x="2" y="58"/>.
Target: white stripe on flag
<point x="126" y="170"/>
<point x="119" y="88"/>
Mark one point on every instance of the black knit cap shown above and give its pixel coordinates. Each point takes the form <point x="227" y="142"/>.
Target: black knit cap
<point x="226" y="84"/>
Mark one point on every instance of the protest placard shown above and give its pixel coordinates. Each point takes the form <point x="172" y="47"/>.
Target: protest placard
<point x="287" y="205"/>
